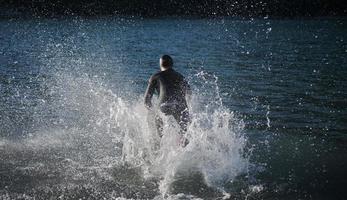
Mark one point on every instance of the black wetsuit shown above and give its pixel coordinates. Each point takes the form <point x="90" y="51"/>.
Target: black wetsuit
<point x="172" y="89"/>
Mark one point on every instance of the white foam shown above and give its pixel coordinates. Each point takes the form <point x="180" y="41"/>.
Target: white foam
<point x="215" y="148"/>
<point x="101" y="127"/>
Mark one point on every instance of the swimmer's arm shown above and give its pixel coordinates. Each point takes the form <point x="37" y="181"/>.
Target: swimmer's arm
<point x="149" y="93"/>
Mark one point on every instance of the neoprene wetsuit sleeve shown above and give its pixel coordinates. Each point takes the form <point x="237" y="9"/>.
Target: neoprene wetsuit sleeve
<point x="149" y="93"/>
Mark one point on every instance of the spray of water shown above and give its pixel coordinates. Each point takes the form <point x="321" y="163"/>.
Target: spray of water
<point x="216" y="142"/>
<point x="92" y="130"/>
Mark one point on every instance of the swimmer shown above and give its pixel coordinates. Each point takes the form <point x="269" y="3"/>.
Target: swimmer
<point x="172" y="89"/>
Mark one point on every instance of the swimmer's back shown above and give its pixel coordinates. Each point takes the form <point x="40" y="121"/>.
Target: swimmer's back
<point x="171" y="86"/>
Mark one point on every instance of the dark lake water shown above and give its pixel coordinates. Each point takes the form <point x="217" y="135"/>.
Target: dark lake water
<point x="269" y="103"/>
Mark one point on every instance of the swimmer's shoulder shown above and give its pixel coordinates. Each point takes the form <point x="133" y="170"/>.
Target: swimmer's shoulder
<point x="179" y="75"/>
<point x="154" y="77"/>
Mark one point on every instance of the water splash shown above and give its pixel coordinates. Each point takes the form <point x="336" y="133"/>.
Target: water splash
<point x="216" y="143"/>
<point x="92" y="133"/>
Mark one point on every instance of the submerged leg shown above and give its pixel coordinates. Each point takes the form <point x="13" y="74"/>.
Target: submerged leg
<point x="183" y="119"/>
<point x="159" y="125"/>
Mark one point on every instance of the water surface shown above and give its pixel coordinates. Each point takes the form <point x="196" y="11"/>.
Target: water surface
<point x="72" y="91"/>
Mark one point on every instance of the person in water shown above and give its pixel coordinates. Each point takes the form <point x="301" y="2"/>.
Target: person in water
<point x="172" y="89"/>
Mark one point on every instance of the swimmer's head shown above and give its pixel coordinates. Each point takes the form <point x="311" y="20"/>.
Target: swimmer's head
<point x="166" y="62"/>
